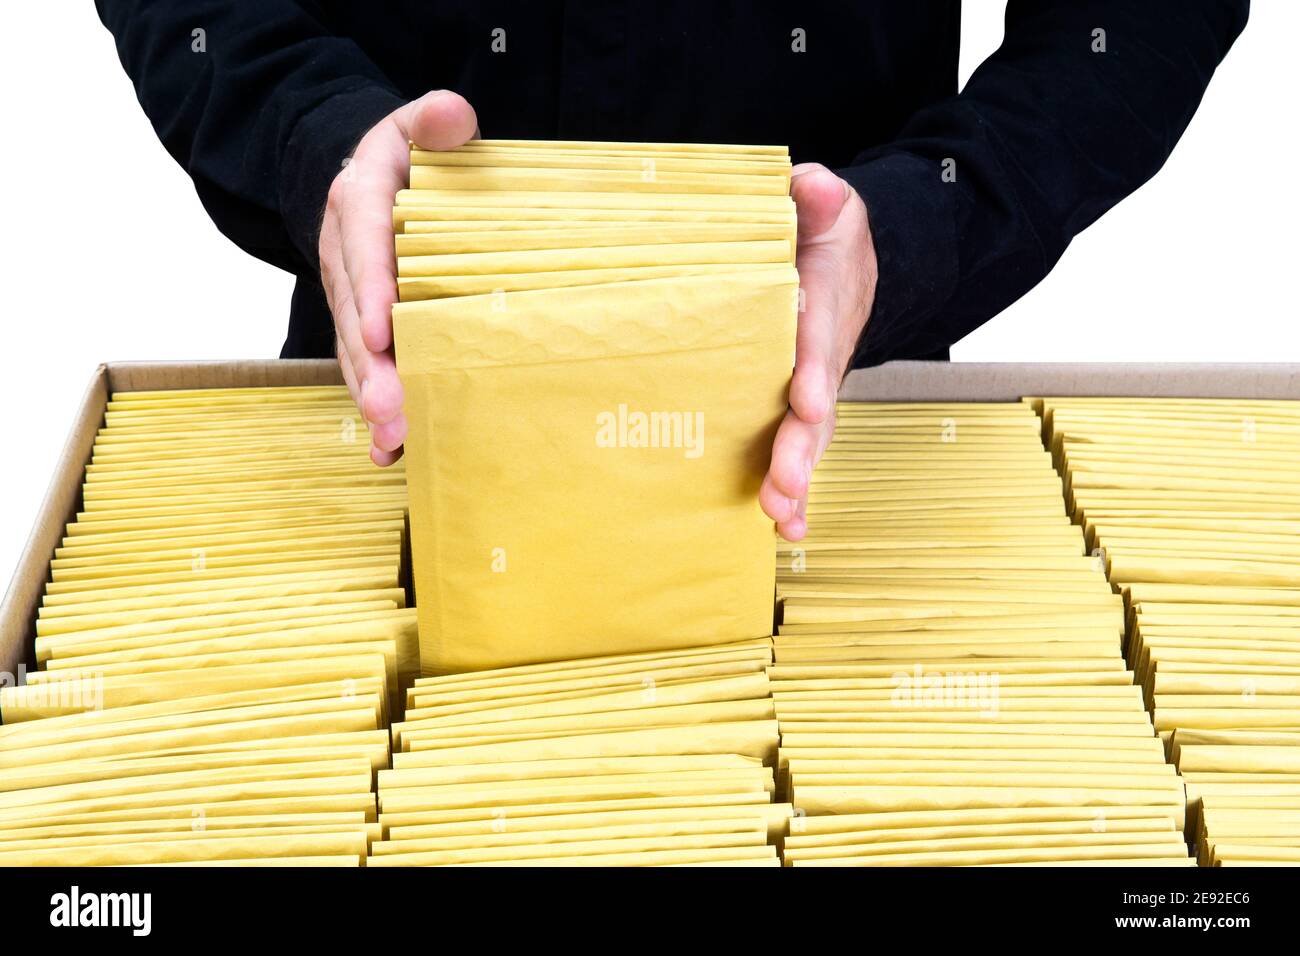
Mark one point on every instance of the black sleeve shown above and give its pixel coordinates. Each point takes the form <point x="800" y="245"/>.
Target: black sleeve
<point x="260" y="109"/>
<point x="1046" y="136"/>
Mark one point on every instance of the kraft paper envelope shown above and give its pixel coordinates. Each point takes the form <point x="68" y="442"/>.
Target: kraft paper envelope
<point x="354" y="802"/>
<point x="200" y="572"/>
<point x="350" y="790"/>
<point x="977" y="844"/>
<point x="183" y="838"/>
<point x="755" y="837"/>
<point x="34" y="700"/>
<point x="648" y="161"/>
<point x="751" y="831"/>
<point x="663" y="181"/>
<point x="356" y="769"/>
<point x="611" y="199"/>
<point x="775" y="815"/>
<point x="366" y="620"/>
<point x="721" y="856"/>
<point x="586" y="258"/>
<point x="214" y="471"/>
<point x="682" y="539"/>
<point x="743" y="687"/>
<point x="279" y="861"/>
<point x="251" y="760"/>
<point x="447" y="241"/>
<point x="157" y="634"/>
<point x="959" y="757"/>
<point x="288" y="699"/>
<point x="169" y="569"/>
<point x="163" y="824"/>
<point x="452" y="224"/>
<point x="985" y="857"/>
<point x="427" y="775"/>
<point x="419" y="735"/>
<point x="189" y="713"/>
<point x="757" y="800"/>
<point x="478" y="697"/>
<point x="648" y="687"/>
<point x="50" y="624"/>
<point x="347" y="728"/>
<point x="594" y="666"/>
<point x="808" y="768"/>
<point x="283" y="656"/>
<point x="1146" y="824"/>
<point x="830" y="825"/>
<point x="454" y="797"/>
<point x="954" y="744"/>
<point x="362" y="564"/>
<point x="337" y="512"/>
<point x="754" y="825"/>
<point x="311" y="745"/>
<point x="750" y="738"/>
<point x="411" y="289"/>
<point x="251" y="528"/>
<point x="871" y="726"/>
<point x="181" y="593"/>
<point x="610" y="679"/>
<point x="419" y="782"/>
<point x="422" y="217"/>
<point x="619" y="148"/>
<point x="350" y="843"/>
<point x="1140" y="861"/>
<point x="864" y="799"/>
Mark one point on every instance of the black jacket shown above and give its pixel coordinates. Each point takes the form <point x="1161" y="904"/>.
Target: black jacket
<point x="1061" y="123"/>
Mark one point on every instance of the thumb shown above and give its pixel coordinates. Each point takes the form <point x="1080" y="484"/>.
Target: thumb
<point x="818" y="195"/>
<point x="438" y="120"/>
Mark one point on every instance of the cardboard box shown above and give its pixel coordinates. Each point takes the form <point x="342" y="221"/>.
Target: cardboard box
<point x="897" y="381"/>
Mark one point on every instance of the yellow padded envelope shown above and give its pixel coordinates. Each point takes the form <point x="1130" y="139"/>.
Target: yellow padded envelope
<point x="551" y="516"/>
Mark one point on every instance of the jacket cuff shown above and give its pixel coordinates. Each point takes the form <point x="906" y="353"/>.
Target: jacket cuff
<point x="912" y="215"/>
<point x="320" y="140"/>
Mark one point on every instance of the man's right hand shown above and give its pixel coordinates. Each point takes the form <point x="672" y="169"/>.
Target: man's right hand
<point x="358" y="264"/>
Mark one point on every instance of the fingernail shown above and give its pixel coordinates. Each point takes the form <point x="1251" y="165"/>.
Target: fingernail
<point x="362" y="403"/>
<point x="794" y="508"/>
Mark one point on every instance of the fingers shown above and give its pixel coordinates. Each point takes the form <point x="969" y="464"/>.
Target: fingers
<point x="385" y="440"/>
<point x="815" y="380"/>
<point x="378" y="390"/>
<point x="438" y="120"/>
<point x="819" y="197"/>
<point x="784" y="493"/>
<point x="349" y="376"/>
<point x="364" y="286"/>
<point x="363" y="198"/>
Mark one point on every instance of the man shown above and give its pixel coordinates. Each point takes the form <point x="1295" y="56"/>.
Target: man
<point x="942" y="210"/>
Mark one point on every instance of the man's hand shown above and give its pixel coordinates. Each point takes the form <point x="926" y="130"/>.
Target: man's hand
<point x="837" y="278"/>
<point x="358" y="265"/>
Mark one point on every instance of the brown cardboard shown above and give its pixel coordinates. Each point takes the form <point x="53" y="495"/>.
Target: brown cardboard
<point x="896" y="381"/>
<point x="1005" y="382"/>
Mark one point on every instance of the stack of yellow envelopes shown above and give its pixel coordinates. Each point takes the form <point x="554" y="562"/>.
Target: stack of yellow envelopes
<point x="223" y="639"/>
<point x="949" y="677"/>
<point x="641" y="760"/>
<point x="596" y="342"/>
<point x="1195" y="505"/>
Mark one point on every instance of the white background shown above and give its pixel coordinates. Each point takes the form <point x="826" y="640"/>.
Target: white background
<point x="109" y="255"/>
